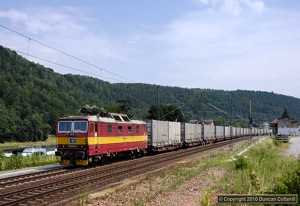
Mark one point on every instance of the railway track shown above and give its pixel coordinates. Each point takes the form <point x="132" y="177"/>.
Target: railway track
<point x="14" y="180"/>
<point x="58" y="187"/>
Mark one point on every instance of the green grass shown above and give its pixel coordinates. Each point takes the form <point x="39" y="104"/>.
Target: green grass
<point x="18" y="162"/>
<point x="263" y="168"/>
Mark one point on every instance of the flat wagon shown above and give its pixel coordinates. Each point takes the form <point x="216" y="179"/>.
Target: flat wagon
<point x="163" y="135"/>
<point x="219" y="131"/>
<point x="208" y="133"/>
<point x="191" y="134"/>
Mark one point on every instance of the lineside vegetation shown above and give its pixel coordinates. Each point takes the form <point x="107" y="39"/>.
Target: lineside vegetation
<point x="262" y="169"/>
<point x="18" y="161"/>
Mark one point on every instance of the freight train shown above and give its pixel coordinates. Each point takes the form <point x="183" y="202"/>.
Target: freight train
<point x="89" y="139"/>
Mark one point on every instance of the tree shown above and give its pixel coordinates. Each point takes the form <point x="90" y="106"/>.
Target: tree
<point x="166" y="112"/>
<point x="220" y="121"/>
<point x="114" y="108"/>
<point x="285" y="114"/>
<point x="34" y="129"/>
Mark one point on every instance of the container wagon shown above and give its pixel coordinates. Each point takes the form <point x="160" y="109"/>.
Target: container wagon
<point x="191" y="134"/>
<point x="163" y="135"/>
<point x="219" y="133"/>
<point x="208" y="133"/>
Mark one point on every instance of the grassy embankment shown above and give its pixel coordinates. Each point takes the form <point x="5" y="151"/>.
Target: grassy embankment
<point x="263" y="169"/>
<point x="14" y="145"/>
<point x="17" y="162"/>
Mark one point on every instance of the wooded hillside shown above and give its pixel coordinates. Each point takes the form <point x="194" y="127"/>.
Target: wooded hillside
<point x="33" y="97"/>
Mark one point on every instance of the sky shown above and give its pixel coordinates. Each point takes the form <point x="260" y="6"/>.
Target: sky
<point x="212" y="44"/>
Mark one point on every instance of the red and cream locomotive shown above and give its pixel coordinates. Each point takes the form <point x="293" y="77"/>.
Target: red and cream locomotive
<point x="82" y="140"/>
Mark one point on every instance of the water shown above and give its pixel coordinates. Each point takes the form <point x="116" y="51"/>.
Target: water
<point x="294" y="147"/>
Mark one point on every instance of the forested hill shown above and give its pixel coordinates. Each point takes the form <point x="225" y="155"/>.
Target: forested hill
<point x="33" y="97"/>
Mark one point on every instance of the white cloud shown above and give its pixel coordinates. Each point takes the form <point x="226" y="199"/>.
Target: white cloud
<point x="68" y="29"/>
<point x="257" y="5"/>
<point x="235" y="7"/>
<point x="45" y="19"/>
<point x="14" y="15"/>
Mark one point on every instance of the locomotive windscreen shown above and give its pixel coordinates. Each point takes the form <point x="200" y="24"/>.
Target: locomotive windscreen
<point x="65" y="126"/>
<point x="76" y="126"/>
<point x="80" y="126"/>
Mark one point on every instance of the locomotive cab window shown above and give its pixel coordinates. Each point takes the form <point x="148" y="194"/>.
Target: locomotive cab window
<point x="137" y="129"/>
<point x="80" y="126"/>
<point x="129" y="129"/>
<point x="64" y="126"/>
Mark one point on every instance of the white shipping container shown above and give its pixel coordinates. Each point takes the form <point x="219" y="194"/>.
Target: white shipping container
<point x="158" y="133"/>
<point x="227" y="132"/>
<point x="198" y="129"/>
<point x="208" y="132"/>
<point x="191" y="132"/>
<point x="163" y="133"/>
<point x="174" y="133"/>
<point x="238" y="132"/>
<point x="219" y="132"/>
<point x="233" y="132"/>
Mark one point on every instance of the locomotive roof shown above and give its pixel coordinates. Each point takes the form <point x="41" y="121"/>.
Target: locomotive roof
<point x="112" y="118"/>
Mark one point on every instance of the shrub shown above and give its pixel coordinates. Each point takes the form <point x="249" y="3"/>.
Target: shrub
<point x="14" y="162"/>
<point x="290" y="184"/>
<point x="254" y="181"/>
<point x="241" y="162"/>
<point x="276" y="142"/>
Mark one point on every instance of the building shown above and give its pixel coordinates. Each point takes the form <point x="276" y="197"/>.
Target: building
<point x="286" y="123"/>
<point x="204" y="121"/>
<point x="285" y="127"/>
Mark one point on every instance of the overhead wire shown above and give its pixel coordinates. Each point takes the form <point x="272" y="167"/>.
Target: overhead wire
<point x="78" y="59"/>
<point x="65" y="53"/>
<point x="58" y="64"/>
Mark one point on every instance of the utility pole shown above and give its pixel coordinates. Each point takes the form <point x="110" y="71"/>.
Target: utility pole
<point x="250" y="117"/>
<point x="157" y="104"/>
